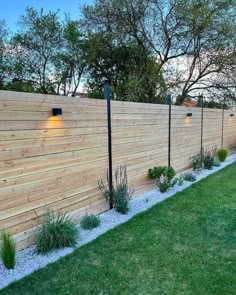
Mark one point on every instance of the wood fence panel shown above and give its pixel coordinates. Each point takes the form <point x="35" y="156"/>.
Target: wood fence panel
<point x="154" y="142"/>
<point x="49" y="162"/>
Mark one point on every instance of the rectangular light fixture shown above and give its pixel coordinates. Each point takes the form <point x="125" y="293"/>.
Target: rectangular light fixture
<point x="56" y="111"/>
<point x="189" y="114"/>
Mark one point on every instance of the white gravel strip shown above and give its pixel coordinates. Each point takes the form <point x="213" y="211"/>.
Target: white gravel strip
<point x="27" y="261"/>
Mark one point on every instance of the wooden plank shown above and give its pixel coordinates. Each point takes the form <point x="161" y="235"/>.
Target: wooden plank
<point x="83" y="148"/>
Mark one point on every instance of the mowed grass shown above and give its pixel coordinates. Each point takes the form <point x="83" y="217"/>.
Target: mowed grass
<point x="185" y="245"/>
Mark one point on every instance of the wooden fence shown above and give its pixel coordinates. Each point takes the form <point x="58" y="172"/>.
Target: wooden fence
<point x="52" y="162"/>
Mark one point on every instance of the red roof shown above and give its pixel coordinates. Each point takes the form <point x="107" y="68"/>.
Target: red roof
<point x="191" y="103"/>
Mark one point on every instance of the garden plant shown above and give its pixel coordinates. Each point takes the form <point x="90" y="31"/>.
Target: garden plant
<point x="188" y="176"/>
<point x="209" y="156"/>
<point x="165" y="184"/>
<point x="156" y="172"/>
<point x="90" y="221"/>
<point x="222" y="154"/>
<point x="8" y="250"/>
<point x="57" y="231"/>
<point x="120" y="193"/>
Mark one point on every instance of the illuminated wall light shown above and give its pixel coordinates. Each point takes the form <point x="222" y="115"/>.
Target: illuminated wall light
<point x="189" y="114"/>
<point x="56" y="111"/>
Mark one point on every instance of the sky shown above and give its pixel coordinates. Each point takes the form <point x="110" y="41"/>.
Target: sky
<point x="11" y="9"/>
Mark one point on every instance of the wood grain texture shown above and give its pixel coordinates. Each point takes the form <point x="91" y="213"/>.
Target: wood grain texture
<point x="50" y="162"/>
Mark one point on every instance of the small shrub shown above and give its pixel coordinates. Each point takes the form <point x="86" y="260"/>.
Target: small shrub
<point x="209" y="156"/>
<point x="196" y="162"/>
<point x="208" y="162"/>
<point x="90" y="221"/>
<point x="8" y="250"/>
<point x="120" y="194"/>
<point x="164" y="183"/>
<point x="188" y="176"/>
<point x="222" y="154"/>
<point x="180" y="179"/>
<point x="57" y="231"/>
<point x="216" y="162"/>
<point x="121" y="199"/>
<point x="156" y="172"/>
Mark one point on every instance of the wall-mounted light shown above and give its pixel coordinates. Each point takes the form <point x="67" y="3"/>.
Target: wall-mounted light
<point x="189" y="114"/>
<point x="231" y="115"/>
<point x="56" y="111"/>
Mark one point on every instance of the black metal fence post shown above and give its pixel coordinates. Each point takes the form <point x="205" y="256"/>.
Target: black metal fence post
<point x="222" y="127"/>
<point x="168" y="99"/>
<point x="107" y="92"/>
<point x="202" y="113"/>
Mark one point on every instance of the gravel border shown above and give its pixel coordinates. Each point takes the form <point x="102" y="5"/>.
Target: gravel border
<point x="27" y="261"/>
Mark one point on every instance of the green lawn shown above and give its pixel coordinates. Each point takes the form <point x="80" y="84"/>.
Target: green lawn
<point x="185" y="245"/>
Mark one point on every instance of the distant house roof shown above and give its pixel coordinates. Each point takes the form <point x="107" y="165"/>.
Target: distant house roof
<point x="81" y="94"/>
<point x="191" y="103"/>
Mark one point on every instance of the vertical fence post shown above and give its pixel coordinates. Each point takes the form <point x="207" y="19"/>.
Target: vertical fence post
<point x="107" y="92"/>
<point x="201" y="150"/>
<point x="222" y="127"/>
<point x="168" y="100"/>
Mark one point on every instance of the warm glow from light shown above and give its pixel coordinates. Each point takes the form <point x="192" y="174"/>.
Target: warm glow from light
<point x="54" y="122"/>
<point x="187" y="120"/>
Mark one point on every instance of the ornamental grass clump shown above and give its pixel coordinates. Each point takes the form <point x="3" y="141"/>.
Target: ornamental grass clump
<point x="90" y="222"/>
<point x="8" y="250"/>
<point x="222" y="154"/>
<point x="57" y="231"/>
<point x="180" y="179"/>
<point x="120" y="193"/>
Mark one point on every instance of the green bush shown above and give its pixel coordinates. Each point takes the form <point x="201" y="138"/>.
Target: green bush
<point x="222" y="154"/>
<point x="188" y="176"/>
<point x="208" y="162"/>
<point x="8" y="250"/>
<point x="209" y="156"/>
<point x="120" y="194"/>
<point x="90" y="221"/>
<point x="121" y="200"/>
<point x="156" y="172"/>
<point x="196" y="162"/>
<point x="57" y="231"/>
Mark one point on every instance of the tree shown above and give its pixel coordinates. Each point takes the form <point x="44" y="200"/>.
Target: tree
<point x="3" y="53"/>
<point x="153" y="24"/>
<point x="146" y="48"/>
<point x="34" y="49"/>
<point x="211" y="52"/>
<point x="198" y="33"/>
<point x="132" y="73"/>
<point x="70" y="61"/>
